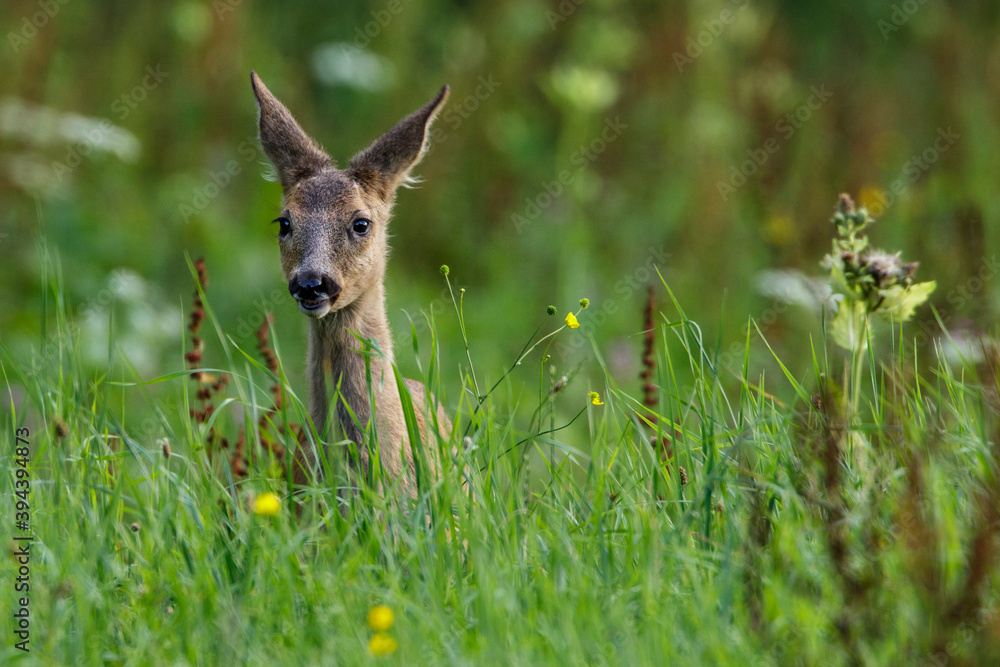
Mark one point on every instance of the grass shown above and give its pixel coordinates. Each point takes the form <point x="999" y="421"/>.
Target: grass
<point x="722" y="519"/>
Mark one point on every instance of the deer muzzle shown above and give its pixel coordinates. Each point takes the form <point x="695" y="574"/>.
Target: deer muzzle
<point x="314" y="293"/>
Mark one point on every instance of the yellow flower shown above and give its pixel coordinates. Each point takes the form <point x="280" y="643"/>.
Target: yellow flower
<point x="382" y="644"/>
<point x="380" y="618"/>
<point x="267" y="504"/>
<point x="595" y="398"/>
<point x="779" y="230"/>
<point x="874" y="199"/>
<point x="572" y="322"/>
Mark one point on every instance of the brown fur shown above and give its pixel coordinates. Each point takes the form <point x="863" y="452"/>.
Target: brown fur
<point x="321" y="204"/>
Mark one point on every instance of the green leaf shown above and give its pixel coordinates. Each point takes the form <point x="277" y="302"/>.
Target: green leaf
<point x="899" y="303"/>
<point x="849" y="327"/>
<point x="837" y="279"/>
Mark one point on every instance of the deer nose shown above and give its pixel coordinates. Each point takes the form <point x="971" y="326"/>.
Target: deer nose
<point x="313" y="287"/>
<point x="309" y="284"/>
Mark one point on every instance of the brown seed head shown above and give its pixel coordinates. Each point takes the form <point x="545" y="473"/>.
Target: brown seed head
<point x="845" y="205"/>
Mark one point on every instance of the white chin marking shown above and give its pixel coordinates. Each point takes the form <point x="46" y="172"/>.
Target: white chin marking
<point x="317" y="310"/>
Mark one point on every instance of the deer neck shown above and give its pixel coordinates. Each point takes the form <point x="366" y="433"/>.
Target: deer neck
<point x="340" y="337"/>
<point x="366" y="319"/>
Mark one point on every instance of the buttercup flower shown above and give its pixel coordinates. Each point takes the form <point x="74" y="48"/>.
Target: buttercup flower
<point x="595" y="398"/>
<point x="380" y="618"/>
<point x="572" y="322"/>
<point x="267" y="504"/>
<point x="382" y="644"/>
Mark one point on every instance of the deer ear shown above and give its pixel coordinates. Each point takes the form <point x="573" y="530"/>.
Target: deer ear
<point x="387" y="162"/>
<point x="294" y="155"/>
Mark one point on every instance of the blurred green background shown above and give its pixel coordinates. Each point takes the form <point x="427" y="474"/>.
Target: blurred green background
<point x="584" y="143"/>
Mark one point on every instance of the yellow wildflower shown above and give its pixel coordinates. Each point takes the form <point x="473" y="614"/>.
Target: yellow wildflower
<point x="382" y="644"/>
<point x="267" y="504"/>
<point x="380" y="618"/>
<point x="595" y="398"/>
<point x="874" y="199"/>
<point x="779" y="230"/>
<point x="572" y="322"/>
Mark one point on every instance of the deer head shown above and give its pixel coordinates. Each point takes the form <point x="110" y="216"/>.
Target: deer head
<point x="333" y="229"/>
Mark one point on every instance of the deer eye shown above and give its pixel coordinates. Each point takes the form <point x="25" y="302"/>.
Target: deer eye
<point x="361" y="226"/>
<point x="284" y="227"/>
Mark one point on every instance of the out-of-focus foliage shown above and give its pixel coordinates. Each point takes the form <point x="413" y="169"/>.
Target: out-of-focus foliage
<point x="585" y="143"/>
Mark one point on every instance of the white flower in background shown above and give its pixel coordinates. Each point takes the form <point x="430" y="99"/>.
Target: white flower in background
<point x="964" y="346"/>
<point x="586" y="89"/>
<point x="53" y="142"/>
<point x="343" y="64"/>
<point x="45" y="126"/>
<point x="796" y="288"/>
<point x="143" y="322"/>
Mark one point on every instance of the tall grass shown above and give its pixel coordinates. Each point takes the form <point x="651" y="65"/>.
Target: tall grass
<point x="714" y="523"/>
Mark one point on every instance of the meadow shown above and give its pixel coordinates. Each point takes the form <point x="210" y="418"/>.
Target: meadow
<point x="687" y="429"/>
<point x="854" y="524"/>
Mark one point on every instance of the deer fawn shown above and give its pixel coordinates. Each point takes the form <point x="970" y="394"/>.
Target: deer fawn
<point x="333" y="238"/>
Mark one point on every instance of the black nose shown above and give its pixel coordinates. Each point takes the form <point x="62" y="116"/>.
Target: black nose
<point x="313" y="287"/>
